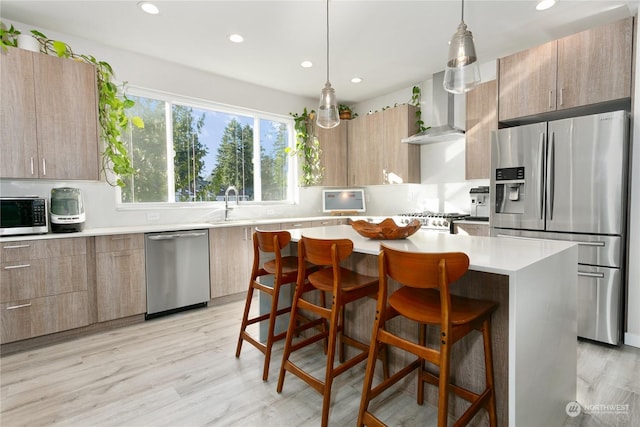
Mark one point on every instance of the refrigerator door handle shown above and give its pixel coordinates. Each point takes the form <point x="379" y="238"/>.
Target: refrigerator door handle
<point x="594" y="275"/>
<point x="551" y="173"/>
<point x="541" y="175"/>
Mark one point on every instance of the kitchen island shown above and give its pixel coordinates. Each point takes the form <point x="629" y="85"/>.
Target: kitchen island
<point x="534" y="329"/>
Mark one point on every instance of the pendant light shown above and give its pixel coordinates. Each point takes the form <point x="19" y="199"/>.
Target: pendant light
<point x="328" y="116"/>
<point x="463" y="72"/>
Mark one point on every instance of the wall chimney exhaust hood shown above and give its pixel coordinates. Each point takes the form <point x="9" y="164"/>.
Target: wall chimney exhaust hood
<point x="448" y="115"/>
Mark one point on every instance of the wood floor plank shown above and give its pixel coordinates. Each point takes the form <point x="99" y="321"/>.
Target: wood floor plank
<point x="182" y="370"/>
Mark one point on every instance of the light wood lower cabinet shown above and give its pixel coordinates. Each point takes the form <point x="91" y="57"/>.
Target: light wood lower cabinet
<point x="230" y="260"/>
<point x="41" y="316"/>
<point x="120" y="276"/>
<point x="44" y="287"/>
<point x="471" y="229"/>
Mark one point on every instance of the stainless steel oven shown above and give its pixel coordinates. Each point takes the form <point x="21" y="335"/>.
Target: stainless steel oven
<point x="441" y="222"/>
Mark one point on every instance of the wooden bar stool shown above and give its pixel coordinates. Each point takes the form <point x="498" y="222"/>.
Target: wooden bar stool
<point x="424" y="298"/>
<point x="345" y="286"/>
<point x="284" y="270"/>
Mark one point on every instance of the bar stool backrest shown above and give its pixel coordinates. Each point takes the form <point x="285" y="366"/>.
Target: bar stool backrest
<point x="423" y="270"/>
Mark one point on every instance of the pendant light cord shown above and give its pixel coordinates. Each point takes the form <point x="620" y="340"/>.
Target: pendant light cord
<point x="327" y="40"/>
<point x="462" y="16"/>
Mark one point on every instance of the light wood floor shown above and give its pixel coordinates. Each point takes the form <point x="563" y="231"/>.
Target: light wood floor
<point x="181" y="370"/>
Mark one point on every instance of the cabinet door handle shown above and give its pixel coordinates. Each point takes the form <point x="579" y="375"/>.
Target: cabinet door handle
<point x="32" y="171"/>
<point x="13" y="267"/>
<point x="550" y="99"/>
<point x="561" y="93"/>
<point x="44" y="166"/>
<point x="15" y="246"/>
<point x="117" y="255"/>
<point x="13" y="307"/>
<point x="121" y="238"/>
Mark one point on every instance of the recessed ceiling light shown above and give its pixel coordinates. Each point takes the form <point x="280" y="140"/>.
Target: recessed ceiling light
<point x="236" y="38"/>
<point x="356" y="80"/>
<point x="545" y="4"/>
<point x="149" y="8"/>
<point x="306" y="64"/>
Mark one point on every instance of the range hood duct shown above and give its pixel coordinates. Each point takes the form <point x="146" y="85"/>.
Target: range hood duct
<point x="448" y="115"/>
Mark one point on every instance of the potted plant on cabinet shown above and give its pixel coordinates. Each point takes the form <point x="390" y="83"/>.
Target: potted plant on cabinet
<point x="307" y="147"/>
<point x="345" y="112"/>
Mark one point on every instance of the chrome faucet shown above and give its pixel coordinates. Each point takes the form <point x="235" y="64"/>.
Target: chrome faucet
<point x="226" y="200"/>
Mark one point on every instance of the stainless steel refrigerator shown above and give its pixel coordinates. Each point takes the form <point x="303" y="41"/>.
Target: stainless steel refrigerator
<point x="567" y="180"/>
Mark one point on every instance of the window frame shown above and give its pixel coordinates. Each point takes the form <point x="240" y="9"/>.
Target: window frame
<point x="175" y="99"/>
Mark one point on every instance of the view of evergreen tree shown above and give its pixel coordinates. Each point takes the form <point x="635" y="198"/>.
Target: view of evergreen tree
<point x="273" y="165"/>
<point x="234" y="165"/>
<point x="189" y="153"/>
<point x="148" y="154"/>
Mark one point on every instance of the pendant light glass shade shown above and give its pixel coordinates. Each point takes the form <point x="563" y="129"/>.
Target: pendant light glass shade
<point x="463" y="71"/>
<point x="328" y="115"/>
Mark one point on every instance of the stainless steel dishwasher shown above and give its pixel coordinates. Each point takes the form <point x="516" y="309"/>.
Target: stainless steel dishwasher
<point x="177" y="268"/>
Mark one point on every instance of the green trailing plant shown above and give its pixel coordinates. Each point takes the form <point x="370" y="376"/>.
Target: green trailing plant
<point x="307" y="147"/>
<point x="416" y="98"/>
<point x="9" y="37"/>
<point x="112" y="104"/>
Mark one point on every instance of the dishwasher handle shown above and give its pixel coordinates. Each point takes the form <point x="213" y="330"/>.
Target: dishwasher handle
<point x="177" y="236"/>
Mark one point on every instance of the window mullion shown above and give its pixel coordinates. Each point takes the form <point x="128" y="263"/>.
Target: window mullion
<point x="171" y="154"/>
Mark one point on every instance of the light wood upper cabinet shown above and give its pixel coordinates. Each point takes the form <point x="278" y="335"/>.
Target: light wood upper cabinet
<point x="120" y="276"/>
<point x="528" y="82"/>
<point x="365" y="149"/>
<point x="401" y="162"/>
<point x="595" y="65"/>
<point x="50" y="104"/>
<point x="376" y="155"/>
<point x="586" y="68"/>
<point x="333" y="143"/>
<point x="481" y="119"/>
<point x="18" y="143"/>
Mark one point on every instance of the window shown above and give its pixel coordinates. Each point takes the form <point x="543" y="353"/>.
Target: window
<point x="191" y="151"/>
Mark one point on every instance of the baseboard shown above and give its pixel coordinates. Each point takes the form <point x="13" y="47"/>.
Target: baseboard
<point x="632" y="339"/>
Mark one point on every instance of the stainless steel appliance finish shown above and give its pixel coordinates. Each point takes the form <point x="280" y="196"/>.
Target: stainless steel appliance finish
<point x="433" y="221"/>
<point x="567" y="180"/>
<point x="23" y="215"/>
<point x="177" y="270"/>
<point x="479" y="197"/>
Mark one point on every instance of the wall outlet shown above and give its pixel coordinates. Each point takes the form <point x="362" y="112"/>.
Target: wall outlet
<point x="153" y="216"/>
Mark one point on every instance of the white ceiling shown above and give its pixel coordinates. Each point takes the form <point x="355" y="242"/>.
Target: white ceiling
<point x="391" y="44"/>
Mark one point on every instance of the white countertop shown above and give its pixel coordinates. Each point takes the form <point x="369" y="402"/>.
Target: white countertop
<point x="500" y="255"/>
<point x="154" y="228"/>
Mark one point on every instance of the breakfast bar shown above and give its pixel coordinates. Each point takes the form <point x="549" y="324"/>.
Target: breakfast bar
<point x="534" y="329"/>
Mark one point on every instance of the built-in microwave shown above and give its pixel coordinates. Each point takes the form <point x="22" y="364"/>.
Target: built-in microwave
<point x="23" y="215"/>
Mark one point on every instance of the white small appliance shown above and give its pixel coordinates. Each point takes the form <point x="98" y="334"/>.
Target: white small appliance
<point x="67" y="210"/>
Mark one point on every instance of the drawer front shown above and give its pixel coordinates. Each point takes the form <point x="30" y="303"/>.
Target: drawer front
<point x="42" y="277"/>
<point x="120" y="242"/>
<point x="21" y="251"/>
<point x="40" y="316"/>
<point x="39" y="249"/>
